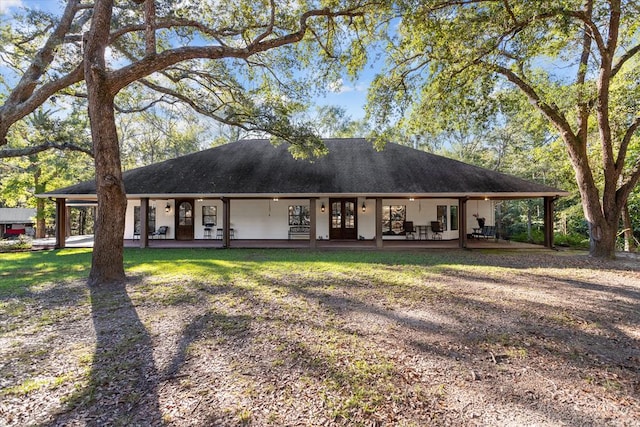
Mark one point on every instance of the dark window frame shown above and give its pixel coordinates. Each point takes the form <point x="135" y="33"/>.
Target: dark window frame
<point x="213" y="217"/>
<point x="393" y="219"/>
<point x="453" y="214"/>
<point x="299" y="215"/>
<point x="151" y="219"/>
<point x="442" y="217"/>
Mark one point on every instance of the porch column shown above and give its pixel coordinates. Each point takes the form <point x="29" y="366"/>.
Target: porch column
<point x="144" y="222"/>
<point x="548" y="221"/>
<point x="462" y="222"/>
<point x="312" y="223"/>
<point x="61" y="223"/>
<point x="379" y="243"/>
<point x="226" y="222"/>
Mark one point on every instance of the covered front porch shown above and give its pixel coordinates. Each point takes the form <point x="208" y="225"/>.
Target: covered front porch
<point x="364" y="222"/>
<point x="86" y="241"/>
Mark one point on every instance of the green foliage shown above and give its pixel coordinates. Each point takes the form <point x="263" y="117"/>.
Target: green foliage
<point x="500" y="84"/>
<point x="21" y="244"/>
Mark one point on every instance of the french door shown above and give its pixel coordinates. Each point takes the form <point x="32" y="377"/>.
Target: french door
<point x="343" y="219"/>
<point x="184" y="219"/>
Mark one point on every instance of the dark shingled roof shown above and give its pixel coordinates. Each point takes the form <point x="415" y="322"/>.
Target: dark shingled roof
<point x="353" y="166"/>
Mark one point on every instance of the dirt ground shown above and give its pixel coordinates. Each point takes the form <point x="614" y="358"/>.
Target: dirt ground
<point x="469" y="339"/>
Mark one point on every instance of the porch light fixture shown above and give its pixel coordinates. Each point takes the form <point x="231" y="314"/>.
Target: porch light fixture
<point x="275" y="199"/>
<point x="322" y="207"/>
<point x="411" y="199"/>
<point x="364" y="207"/>
<point x="167" y="208"/>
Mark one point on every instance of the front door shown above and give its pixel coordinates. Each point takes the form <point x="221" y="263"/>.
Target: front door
<point x="184" y="219"/>
<point x="343" y="221"/>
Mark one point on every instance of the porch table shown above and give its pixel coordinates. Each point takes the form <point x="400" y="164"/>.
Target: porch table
<point x="423" y="231"/>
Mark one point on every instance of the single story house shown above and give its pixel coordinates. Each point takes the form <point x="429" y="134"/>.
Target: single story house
<point x="252" y="189"/>
<point x="16" y="221"/>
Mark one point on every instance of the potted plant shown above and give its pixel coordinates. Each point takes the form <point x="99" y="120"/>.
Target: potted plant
<point x="480" y="220"/>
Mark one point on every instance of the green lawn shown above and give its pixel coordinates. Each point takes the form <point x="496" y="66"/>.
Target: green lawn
<point x="21" y="270"/>
<point x="286" y="337"/>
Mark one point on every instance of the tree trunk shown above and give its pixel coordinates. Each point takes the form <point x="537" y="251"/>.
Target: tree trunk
<point x="107" y="264"/>
<point x="41" y="223"/>
<point x="602" y="228"/>
<point x="529" y="221"/>
<point x="602" y="239"/>
<point x="629" y="242"/>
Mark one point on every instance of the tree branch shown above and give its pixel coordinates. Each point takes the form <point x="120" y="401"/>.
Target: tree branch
<point x="146" y="66"/>
<point x="43" y="57"/>
<point x="178" y="22"/>
<point x="143" y="108"/>
<point x="187" y="100"/>
<point x="20" y="152"/>
<point x="624" y="58"/>
<point x="624" y="145"/>
<point x="629" y="184"/>
<point x="583" y="105"/>
<point x="550" y="111"/>
<point x="8" y="116"/>
<point x="269" y="30"/>
<point x="150" y="27"/>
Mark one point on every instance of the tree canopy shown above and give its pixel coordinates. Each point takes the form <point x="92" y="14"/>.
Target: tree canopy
<point x="235" y="62"/>
<point x="575" y="61"/>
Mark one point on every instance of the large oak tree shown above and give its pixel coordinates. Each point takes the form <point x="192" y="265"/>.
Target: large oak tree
<point x="189" y="51"/>
<point x="576" y="61"/>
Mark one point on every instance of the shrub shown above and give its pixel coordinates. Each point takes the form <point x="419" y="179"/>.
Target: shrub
<point x="22" y="243"/>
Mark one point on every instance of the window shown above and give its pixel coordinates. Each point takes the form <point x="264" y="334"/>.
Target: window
<point x="299" y="215"/>
<point x="151" y="219"/>
<point x="185" y="214"/>
<point x="453" y="210"/>
<point x="441" y="215"/>
<point x="209" y="215"/>
<point x="393" y="218"/>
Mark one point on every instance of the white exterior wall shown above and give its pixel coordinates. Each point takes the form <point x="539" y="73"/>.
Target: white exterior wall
<point x="422" y="212"/>
<point x="269" y="219"/>
<point x="162" y="217"/>
<point x="129" y="219"/>
<point x="262" y="219"/>
<point x="322" y="219"/>
<point x="198" y="226"/>
<point x="482" y="208"/>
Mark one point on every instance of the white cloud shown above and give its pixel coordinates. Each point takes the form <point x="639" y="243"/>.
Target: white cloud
<point x="6" y="4"/>
<point x="339" y="87"/>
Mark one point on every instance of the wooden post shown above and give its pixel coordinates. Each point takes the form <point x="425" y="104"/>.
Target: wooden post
<point x="312" y="223"/>
<point x="379" y="242"/>
<point x="144" y="222"/>
<point x="548" y="221"/>
<point x="61" y="223"/>
<point x="226" y="222"/>
<point x="462" y="222"/>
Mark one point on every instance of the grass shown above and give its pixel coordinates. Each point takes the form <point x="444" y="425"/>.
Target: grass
<point x="22" y="271"/>
<point x="362" y="335"/>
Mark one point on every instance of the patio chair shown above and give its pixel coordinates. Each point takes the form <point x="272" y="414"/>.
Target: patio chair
<point x="162" y="231"/>
<point x="436" y="230"/>
<point x="409" y="230"/>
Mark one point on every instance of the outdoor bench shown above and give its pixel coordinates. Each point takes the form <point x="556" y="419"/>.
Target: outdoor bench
<point x="299" y="231"/>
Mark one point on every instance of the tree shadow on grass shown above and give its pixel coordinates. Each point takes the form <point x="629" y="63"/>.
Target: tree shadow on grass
<point x="122" y="385"/>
